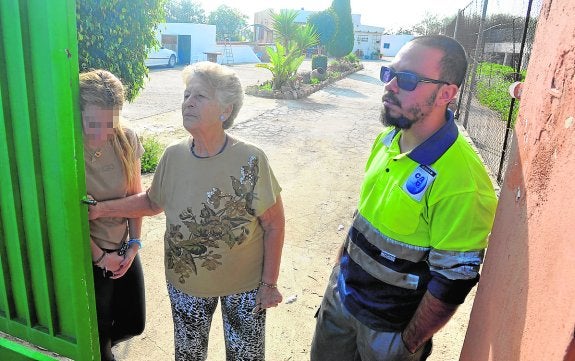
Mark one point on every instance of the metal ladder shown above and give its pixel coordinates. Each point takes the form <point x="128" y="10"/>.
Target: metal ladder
<point x="228" y="54"/>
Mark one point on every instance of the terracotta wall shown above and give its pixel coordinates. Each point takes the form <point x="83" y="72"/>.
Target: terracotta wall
<point x="525" y="303"/>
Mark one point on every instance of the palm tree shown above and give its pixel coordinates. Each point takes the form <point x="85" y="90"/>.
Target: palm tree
<point x="293" y="39"/>
<point x="284" y="26"/>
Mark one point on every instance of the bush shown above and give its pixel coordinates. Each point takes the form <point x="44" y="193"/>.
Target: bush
<point x="152" y="152"/>
<point x="351" y="58"/>
<point x="341" y="65"/>
<point x="318" y="61"/>
<point x="493" y="88"/>
<point x="115" y="35"/>
<point x="266" y="85"/>
<point x="343" y="39"/>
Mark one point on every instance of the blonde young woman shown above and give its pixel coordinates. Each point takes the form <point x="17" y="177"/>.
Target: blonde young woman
<point x="112" y="162"/>
<point x="224" y="221"/>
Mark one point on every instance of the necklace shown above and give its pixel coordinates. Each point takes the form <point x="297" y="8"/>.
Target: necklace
<point x="95" y="155"/>
<point x="208" y="156"/>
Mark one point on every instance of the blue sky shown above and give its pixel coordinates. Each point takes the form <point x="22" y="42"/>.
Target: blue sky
<point x="384" y="13"/>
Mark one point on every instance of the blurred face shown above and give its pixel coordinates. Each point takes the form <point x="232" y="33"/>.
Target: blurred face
<point x="200" y="109"/>
<point x="99" y="123"/>
<point x="404" y="108"/>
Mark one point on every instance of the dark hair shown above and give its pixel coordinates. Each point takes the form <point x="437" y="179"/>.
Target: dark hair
<point x="454" y="61"/>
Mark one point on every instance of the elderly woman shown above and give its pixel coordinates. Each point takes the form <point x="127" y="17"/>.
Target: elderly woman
<point x="112" y="162"/>
<point x="224" y="221"/>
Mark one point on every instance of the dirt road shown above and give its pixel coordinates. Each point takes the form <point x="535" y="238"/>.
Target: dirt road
<point x="317" y="148"/>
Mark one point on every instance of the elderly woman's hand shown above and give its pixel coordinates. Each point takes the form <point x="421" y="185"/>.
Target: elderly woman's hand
<point x="267" y="297"/>
<point x="92" y="208"/>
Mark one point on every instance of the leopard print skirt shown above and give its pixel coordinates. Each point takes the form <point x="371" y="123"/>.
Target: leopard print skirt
<point x="244" y="331"/>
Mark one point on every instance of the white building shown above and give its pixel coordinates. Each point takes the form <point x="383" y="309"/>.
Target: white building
<point x="367" y="41"/>
<point x="368" y="35"/>
<point x="197" y="42"/>
<point x="390" y="44"/>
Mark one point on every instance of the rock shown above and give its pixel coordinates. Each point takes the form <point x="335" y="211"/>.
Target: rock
<point x="319" y="73"/>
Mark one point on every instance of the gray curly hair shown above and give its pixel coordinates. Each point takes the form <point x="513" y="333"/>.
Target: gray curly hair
<point x="223" y="81"/>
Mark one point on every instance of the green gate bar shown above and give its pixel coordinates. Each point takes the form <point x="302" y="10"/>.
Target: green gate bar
<point x="46" y="287"/>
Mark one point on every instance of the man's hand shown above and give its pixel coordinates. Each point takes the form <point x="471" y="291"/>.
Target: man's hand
<point x="431" y="315"/>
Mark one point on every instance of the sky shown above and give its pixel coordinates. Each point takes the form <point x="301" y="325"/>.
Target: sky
<point x="389" y="14"/>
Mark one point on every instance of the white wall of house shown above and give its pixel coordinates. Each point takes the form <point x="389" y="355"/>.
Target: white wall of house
<point x="203" y="40"/>
<point x="366" y="39"/>
<point x="240" y="54"/>
<point x="203" y="37"/>
<point x="390" y="44"/>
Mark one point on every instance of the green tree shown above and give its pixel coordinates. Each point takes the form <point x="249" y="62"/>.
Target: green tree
<point x="286" y="58"/>
<point x="293" y="36"/>
<point x="284" y="26"/>
<point x="431" y="25"/>
<point x="343" y="39"/>
<point x="283" y="65"/>
<point x="325" y="23"/>
<point x="229" y="22"/>
<point x="185" y="11"/>
<point x="401" y="31"/>
<point x="115" y="35"/>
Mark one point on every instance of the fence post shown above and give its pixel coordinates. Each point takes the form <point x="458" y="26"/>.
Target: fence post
<point x="478" y="51"/>
<point x="517" y="76"/>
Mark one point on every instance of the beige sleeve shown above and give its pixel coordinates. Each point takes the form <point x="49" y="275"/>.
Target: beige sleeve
<point x="155" y="191"/>
<point x="267" y="188"/>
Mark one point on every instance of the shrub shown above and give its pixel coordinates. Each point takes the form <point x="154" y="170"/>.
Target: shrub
<point x="115" y="35"/>
<point x="325" y="23"/>
<point x="305" y="77"/>
<point x="318" y="61"/>
<point x="282" y="65"/>
<point x="335" y="74"/>
<point x="343" y="39"/>
<point x="266" y="85"/>
<point x="351" y="58"/>
<point x="152" y="152"/>
<point x="341" y="65"/>
<point x="493" y="86"/>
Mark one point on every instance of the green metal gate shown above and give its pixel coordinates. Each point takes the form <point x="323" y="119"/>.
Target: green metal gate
<point x="46" y="287"/>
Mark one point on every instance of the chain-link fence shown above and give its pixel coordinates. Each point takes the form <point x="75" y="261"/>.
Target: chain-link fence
<point x="498" y="36"/>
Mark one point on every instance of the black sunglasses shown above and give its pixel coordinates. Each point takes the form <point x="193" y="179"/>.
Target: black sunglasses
<point x="405" y="80"/>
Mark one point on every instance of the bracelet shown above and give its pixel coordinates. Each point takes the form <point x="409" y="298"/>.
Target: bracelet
<point x="100" y="258"/>
<point x="136" y="241"/>
<point x="268" y="285"/>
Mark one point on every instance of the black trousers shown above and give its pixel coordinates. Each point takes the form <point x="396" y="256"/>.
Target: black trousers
<point x="121" y="307"/>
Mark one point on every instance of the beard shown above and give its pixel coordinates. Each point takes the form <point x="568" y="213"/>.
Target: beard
<point x="416" y="112"/>
<point x="400" y="122"/>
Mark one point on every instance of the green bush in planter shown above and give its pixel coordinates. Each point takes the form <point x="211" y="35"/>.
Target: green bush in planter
<point x="318" y="61"/>
<point x="152" y="151"/>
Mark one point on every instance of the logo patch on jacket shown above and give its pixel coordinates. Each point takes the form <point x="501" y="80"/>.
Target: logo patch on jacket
<point x="419" y="181"/>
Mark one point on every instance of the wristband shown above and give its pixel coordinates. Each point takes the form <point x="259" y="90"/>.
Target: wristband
<point x="136" y="241"/>
<point x="268" y="285"/>
<point x="100" y="258"/>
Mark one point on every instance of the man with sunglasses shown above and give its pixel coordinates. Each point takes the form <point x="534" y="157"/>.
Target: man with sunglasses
<point x="425" y="210"/>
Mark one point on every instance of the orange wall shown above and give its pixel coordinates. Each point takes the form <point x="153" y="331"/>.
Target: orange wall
<point x="525" y="303"/>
